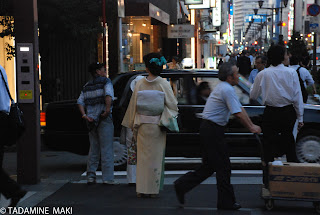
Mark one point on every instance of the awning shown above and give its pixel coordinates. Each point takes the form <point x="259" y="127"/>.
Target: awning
<point x="147" y="9"/>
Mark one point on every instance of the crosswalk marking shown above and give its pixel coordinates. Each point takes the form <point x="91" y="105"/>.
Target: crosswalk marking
<point x="182" y="172"/>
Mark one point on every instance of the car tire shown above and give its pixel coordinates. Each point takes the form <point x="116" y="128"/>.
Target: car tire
<point x="308" y="147"/>
<point x="120" y="153"/>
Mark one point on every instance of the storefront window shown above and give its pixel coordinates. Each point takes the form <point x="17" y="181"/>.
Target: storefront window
<point x="137" y="36"/>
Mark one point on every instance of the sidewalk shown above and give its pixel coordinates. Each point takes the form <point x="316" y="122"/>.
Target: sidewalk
<point x="63" y="185"/>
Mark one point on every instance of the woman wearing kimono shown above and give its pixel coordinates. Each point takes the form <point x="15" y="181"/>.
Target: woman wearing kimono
<point x="152" y="107"/>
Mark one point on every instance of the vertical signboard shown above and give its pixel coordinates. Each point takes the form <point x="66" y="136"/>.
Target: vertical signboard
<point x="121" y="8"/>
<point x="216" y="14"/>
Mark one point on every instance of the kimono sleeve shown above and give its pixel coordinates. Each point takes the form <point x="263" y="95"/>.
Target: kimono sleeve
<point x="170" y="112"/>
<point x="128" y="119"/>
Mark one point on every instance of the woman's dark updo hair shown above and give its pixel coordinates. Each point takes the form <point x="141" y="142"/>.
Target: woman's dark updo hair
<point x="94" y="67"/>
<point x="153" y="67"/>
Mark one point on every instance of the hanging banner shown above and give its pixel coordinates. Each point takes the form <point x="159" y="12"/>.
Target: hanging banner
<point x="216" y="14"/>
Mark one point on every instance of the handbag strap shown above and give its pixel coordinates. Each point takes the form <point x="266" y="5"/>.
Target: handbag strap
<point x="5" y="84"/>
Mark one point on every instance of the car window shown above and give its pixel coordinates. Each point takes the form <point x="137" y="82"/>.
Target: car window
<point x="212" y="82"/>
<point x="178" y="88"/>
<point x="205" y="85"/>
<point x="244" y="98"/>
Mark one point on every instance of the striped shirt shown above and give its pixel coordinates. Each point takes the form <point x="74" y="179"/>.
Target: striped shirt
<point x="93" y="95"/>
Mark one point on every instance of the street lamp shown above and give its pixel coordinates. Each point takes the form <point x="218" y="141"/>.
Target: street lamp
<point x="274" y="9"/>
<point x="261" y="25"/>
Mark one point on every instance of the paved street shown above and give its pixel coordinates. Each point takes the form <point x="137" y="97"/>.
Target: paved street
<point x="63" y="184"/>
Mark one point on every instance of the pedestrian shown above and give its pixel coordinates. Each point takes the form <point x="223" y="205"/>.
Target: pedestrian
<point x="244" y="64"/>
<point x="220" y="62"/>
<point x="281" y="94"/>
<point x="97" y="97"/>
<point x="8" y="187"/>
<point x="227" y="57"/>
<point x="203" y="93"/>
<point x="174" y="64"/>
<point x="222" y="102"/>
<point x="260" y="63"/>
<point x="152" y="106"/>
<point x="295" y="63"/>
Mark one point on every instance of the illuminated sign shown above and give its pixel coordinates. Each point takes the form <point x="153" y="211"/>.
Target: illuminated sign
<point x="193" y="2"/>
<point x="204" y="5"/>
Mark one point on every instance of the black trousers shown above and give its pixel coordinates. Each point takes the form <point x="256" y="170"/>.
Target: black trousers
<point x="8" y="187"/>
<point x="277" y="127"/>
<point x="215" y="158"/>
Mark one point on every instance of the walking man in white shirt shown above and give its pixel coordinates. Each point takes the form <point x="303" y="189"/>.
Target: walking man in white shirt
<point x="280" y="90"/>
<point x="222" y="102"/>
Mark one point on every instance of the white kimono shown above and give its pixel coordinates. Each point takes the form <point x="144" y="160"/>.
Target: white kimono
<point x="145" y="116"/>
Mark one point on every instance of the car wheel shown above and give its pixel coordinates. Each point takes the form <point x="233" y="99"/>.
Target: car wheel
<point x="120" y="152"/>
<point x="308" y="149"/>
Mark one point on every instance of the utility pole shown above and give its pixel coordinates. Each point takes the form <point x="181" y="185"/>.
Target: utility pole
<point x="26" y="40"/>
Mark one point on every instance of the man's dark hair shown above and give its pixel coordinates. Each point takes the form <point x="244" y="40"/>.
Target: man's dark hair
<point x="276" y="54"/>
<point x="225" y="70"/>
<point x="263" y="58"/>
<point x="95" y="66"/>
<point x="295" y="60"/>
<point x="154" y="68"/>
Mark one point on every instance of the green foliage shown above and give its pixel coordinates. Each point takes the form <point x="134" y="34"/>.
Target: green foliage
<point x="7" y="23"/>
<point x="70" y="19"/>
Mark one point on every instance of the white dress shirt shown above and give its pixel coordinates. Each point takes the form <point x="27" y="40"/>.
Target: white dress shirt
<point x="304" y="74"/>
<point x="4" y="97"/>
<point x="222" y="102"/>
<point x="279" y="86"/>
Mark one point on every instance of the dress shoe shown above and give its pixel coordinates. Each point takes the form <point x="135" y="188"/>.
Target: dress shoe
<point x="91" y="181"/>
<point x="180" y="195"/>
<point x="235" y="206"/>
<point x="112" y="182"/>
<point x="16" y="197"/>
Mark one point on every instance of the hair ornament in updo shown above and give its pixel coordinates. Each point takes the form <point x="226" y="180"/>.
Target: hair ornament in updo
<point x="160" y="62"/>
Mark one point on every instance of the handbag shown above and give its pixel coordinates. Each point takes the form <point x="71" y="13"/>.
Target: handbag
<point x="16" y="125"/>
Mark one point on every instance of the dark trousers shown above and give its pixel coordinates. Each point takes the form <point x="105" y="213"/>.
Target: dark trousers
<point x="8" y="187"/>
<point x="277" y="127"/>
<point x="215" y="158"/>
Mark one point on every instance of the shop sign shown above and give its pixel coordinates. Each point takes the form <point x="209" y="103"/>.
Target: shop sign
<point x="159" y="14"/>
<point x="204" y="5"/>
<point x="186" y="2"/>
<point x="256" y="18"/>
<point x="216" y="14"/>
<point x="180" y="31"/>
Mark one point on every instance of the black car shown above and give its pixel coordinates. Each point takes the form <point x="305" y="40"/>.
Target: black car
<point x="71" y="135"/>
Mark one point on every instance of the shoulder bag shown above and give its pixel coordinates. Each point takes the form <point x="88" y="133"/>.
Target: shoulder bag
<point x="303" y="89"/>
<point x="16" y="120"/>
